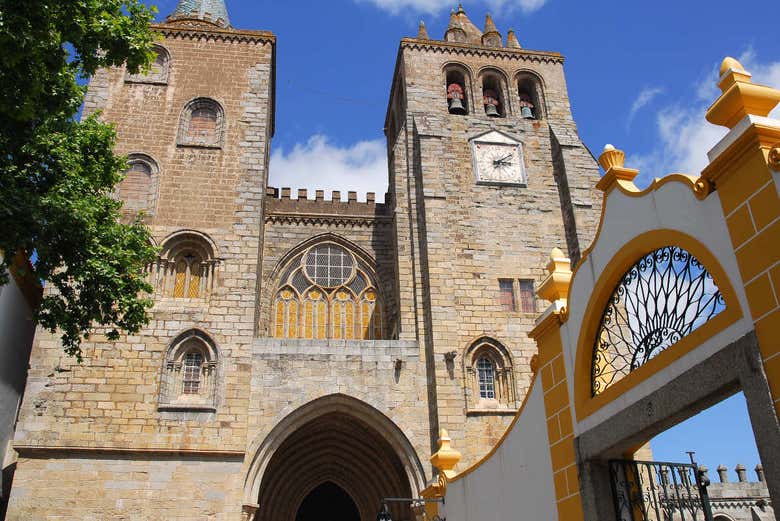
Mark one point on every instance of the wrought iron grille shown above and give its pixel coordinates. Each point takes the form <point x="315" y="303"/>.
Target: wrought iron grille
<point x="662" y="298"/>
<point x="658" y="491"/>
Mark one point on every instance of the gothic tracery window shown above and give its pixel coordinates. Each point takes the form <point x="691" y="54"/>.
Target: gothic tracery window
<point x="327" y="292"/>
<point x="490" y="383"/>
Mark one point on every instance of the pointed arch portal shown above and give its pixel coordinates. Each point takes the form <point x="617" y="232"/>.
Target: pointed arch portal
<point x="338" y="457"/>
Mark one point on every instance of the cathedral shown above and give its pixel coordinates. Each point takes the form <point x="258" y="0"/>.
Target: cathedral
<point x="306" y="349"/>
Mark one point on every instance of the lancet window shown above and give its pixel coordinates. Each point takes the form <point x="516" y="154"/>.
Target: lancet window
<point x="158" y="73"/>
<point x="138" y="189"/>
<point x="327" y="292"/>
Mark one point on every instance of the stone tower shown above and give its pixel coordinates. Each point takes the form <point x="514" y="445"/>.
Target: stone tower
<point x="487" y="174"/>
<point x="198" y="154"/>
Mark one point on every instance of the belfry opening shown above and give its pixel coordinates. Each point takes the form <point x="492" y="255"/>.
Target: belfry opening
<point x="335" y="466"/>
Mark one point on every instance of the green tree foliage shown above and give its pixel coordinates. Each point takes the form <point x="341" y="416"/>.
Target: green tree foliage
<point x="57" y="174"/>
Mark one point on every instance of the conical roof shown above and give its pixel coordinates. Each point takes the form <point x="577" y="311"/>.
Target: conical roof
<point x="211" y="11"/>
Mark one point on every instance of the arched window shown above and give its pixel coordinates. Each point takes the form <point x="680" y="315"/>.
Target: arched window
<point x="202" y="124"/>
<point x="456" y="90"/>
<point x="158" y="74"/>
<point x="139" y="187"/>
<point x="490" y="383"/>
<point x="530" y="100"/>
<point x="190" y="373"/>
<point x="661" y="299"/>
<point x="493" y="97"/>
<point x="327" y="292"/>
<point x="186" y="267"/>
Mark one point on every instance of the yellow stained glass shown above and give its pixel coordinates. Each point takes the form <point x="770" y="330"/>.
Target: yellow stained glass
<point x="279" y="330"/>
<point x="337" y="309"/>
<point x="180" y="280"/>
<point x="349" y="320"/>
<point x="365" y="316"/>
<point x="308" y="316"/>
<point x="194" y="289"/>
<point x="322" y="313"/>
<point x="292" y="320"/>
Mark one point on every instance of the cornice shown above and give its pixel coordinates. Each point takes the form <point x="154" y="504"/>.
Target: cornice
<point x="476" y="50"/>
<point x="43" y="449"/>
<point x="324" y="219"/>
<point x="202" y="31"/>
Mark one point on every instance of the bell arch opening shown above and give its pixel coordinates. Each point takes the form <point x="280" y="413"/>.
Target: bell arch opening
<point x="339" y="441"/>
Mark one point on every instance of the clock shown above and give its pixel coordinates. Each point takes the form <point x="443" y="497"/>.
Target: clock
<point x="498" y="159"/>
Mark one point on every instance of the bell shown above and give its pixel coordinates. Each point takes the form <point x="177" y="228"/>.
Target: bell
<point x="456" y="106"/>
<point x="491" y="111"/>
<point x="527" y="113"/>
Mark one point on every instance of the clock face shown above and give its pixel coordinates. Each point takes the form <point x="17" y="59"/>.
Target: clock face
<point x="498" y="162"/>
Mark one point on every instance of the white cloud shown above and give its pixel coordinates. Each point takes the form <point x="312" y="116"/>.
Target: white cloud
<point x="684" y="134"/>
<point x="320" y="165"/>
<point x="436" y="6"/>
<point x="644" y="98"/>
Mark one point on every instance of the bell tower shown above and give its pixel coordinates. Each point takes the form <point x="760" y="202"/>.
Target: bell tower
<point x="487" y="175"/>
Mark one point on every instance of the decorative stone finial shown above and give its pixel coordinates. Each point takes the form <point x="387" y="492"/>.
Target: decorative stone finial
<point x="511" y="40"/>
<point x="460" y="8"/>
<point x="490" y="35"/>
<point x="455" y="31"/>
<point x="612" y="161"/>
<point x="760" y="473"/>
<point x="556" y="285"/>
<point x="446" y="457"/>
<point x="422" y="33"/>
<point x="723" y="474"/>
<point x="741" y="97"/>
<point x="211" y="11"/>
<point x="741" y="473"/>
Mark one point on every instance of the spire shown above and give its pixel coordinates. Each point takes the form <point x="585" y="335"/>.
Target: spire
<point x="455" y="32"/>
<point x="461" y="11"/>
<point x="211" y="11"/>
<point x="490" y="36"/>
<point x="422" y="34"/>
<point x="511" y="40"/>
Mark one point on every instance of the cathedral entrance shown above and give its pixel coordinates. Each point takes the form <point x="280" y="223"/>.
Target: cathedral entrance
<point x="328" y="502"/>
<point x="335" y="459"/>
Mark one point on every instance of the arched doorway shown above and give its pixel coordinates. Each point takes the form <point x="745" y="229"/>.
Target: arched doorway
<point x="328" y="501"/>
<point x="333" y="447"/>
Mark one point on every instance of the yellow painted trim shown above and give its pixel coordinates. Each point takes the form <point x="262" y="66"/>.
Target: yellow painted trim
<point x="584" y="403"/>
<point x="503" y="438"/>
<point x="700" y="187"/>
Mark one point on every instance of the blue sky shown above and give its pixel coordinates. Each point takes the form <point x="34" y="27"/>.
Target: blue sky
<point x="640" y="76"/>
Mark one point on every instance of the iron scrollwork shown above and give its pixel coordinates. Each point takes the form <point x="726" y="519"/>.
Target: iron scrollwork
<point x="658" y="491"/>
<point x="662" y="298"/>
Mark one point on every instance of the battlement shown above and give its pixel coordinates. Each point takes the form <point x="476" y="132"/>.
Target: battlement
<point x="280" y="206"/>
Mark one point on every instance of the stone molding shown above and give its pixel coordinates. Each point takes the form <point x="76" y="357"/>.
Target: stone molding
<point x="335" y="220"/>
<point x="203" y="32"/>
<point x="485" y="52"/>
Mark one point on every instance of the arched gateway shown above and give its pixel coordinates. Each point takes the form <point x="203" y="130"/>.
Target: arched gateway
<point x="336" y="451"/>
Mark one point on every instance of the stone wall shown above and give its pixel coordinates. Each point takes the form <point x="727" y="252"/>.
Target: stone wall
<point x="456" y="238"/>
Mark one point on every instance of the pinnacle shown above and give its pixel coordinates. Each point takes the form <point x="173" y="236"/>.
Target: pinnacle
<point x="490" y="26"/>
<point x="422" y="33"/>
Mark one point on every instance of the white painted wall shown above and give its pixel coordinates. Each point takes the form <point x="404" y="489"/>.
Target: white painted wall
<point x="516" y="482"/>
<point x="16" y="334"/>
